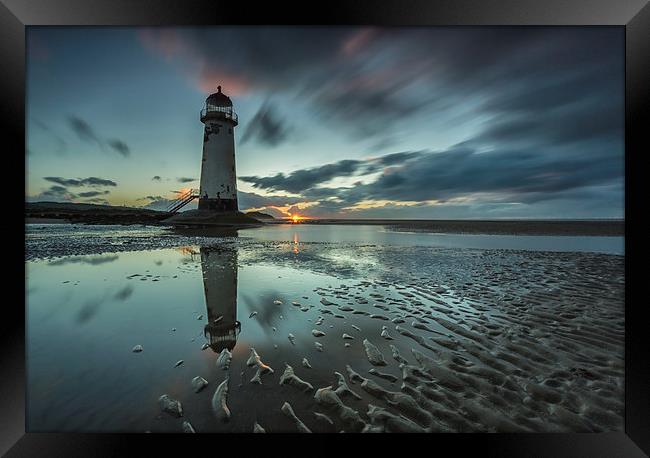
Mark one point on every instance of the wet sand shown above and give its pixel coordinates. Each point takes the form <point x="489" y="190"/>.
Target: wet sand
<point x="399" y="339"/>
<point x="503" y="227"/>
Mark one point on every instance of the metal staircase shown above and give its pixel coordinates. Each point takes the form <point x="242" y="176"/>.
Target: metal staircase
<point x="183" y="200"/>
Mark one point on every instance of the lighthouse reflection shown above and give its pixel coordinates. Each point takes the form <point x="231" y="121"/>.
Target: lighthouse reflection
<point x="219" y="266"/>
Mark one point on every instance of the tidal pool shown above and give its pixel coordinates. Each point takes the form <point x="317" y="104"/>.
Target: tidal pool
<point x="412" y="338"/>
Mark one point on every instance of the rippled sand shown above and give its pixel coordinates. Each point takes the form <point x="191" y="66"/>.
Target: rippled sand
<point x="412" y="339"/>
<point x="475" y="341"/>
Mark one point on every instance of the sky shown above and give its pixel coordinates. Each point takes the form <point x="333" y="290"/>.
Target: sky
<point x="345" y="122"/>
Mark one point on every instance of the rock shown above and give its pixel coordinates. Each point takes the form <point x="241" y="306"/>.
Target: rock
<point x="277" y="302"/>
<point x="328" y="398"/>
<point x="219" y="402"/>
<point x="200" y="317"/>
<point x="348" y="337"/>
<point x="396" y="355"/>
<point x="388" y="422"/>
<point x="317" y="333"/>
<point x="178" y="363"/>
<point x="326" y="302"/>
<point x="187" y="427"/>
<point x="292" y="339"/>
<point x="254" y="360"/>
<point x="257" y="428"/>
<point x="252" y="314"/>
<point x="417" y="338"/>
<point x="384" y="333"/>
<point x="171" y="406"/>
<point x="198" y="383"/>
<point x="373" y="354"/>
<point x="418" y="325"/>
<point x="354" y="376"/>
<point x="319" y="346"/>
<point x="379" y="317"/>
<point x="343" y="389"/>
<point x="390" y="377"/>
<point x="288" y="411"/>
<point x="223" y="361"/>
<point x="205" y="345"/>
<point x="290" y="378"/>
<point x="305" y="363"/>
<point x="324" y="418"/>
<point x="356" y="327"/>
<point x="137" y="349"/>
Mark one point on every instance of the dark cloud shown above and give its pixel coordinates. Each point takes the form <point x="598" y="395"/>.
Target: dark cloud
<point x="97" y="200"/>
<point x="185" y="179"/>
<point x="248" y="200"/>
<point x="301" y="180"/>
<point x="500" y="176"/>
<point x="90" y="181"/>
<point x="371" y="83"/>
<point x="93" y="193"/>
<point x="156" y="178"/>
<point x="120" y="147"/>
<point x="267" y="127"/>
<point x="273" y="212"/>
<point x="87" y="134"/>
<point x="84" y="131"/>
<point x="56" y="193"/>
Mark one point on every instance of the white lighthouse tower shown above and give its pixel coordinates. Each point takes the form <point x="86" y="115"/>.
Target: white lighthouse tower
<point x="218" y="191"/>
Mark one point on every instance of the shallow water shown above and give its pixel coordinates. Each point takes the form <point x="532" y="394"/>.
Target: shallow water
<point x="492" y="339"/>
<point x="382" y="235"/>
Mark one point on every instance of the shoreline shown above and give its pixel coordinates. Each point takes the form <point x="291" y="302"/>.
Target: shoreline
<point x="598" y="228"/>
<point x="607" y="228"/>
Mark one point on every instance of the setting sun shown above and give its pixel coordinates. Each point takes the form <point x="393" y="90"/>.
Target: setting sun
<point x="296" y="218"/>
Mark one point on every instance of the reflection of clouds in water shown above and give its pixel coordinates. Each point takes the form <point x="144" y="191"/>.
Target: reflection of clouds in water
<point x="91" y="307"/>
<point x="124" y="293"/>
<point x="91" y="260"/>
<point x="268" y="313"/>
<point x="89" y="310"/>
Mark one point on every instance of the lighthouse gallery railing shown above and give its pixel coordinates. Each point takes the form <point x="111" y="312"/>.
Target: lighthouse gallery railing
<point x="218" y="112"/>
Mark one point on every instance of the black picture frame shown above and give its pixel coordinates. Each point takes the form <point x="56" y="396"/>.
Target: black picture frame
<point x="633" y="15"/>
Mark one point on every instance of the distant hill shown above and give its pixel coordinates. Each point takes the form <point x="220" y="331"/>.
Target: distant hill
<point x="93" y="213"/>
<point x="259" y="215"/>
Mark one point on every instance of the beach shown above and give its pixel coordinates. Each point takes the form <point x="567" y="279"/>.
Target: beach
<point x="290" y="332"/>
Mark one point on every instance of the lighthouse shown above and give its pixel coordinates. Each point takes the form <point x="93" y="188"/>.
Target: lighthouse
<point x="218" y="189"/>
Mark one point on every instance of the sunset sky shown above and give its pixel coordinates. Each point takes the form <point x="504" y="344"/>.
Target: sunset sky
<point x="450" y="122"/>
